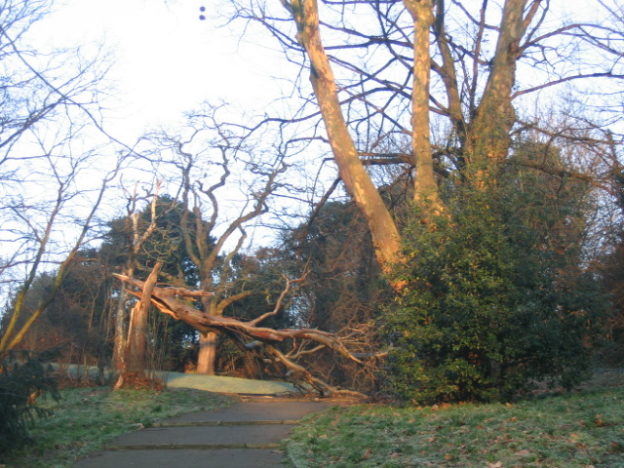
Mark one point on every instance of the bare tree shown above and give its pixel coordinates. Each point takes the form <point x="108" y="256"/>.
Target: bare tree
<point x="251" y="335"/>
<point x="213" y="164"/>
<point x="52" y="181"/>
<point x="130" y="346"/>
<point x="370" y="68"/>
<point x="37" y="249"/>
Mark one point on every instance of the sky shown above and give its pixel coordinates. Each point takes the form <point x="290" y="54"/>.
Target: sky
<point x="164" y="60"/>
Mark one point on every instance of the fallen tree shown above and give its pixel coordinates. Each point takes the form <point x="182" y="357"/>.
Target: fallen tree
<point x="251" y="336"/>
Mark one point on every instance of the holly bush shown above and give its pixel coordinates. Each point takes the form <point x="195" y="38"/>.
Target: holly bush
<point x="492" y="304"/>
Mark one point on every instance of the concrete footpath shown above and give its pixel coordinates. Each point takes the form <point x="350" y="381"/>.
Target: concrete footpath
<point x="245" y="435"/>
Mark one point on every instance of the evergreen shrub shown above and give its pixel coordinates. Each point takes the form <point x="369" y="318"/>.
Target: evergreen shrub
<point x="23" y="377"/>
<point x="491" y="306"/>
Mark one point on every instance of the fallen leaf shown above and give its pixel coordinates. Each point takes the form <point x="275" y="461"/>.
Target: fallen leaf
<point x="598" y="421"/>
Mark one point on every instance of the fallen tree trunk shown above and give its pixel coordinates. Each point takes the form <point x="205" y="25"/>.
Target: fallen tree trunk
<point x="248" y="334"/>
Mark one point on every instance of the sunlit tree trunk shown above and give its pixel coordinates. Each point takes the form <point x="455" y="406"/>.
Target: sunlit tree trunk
<point x="448" y="74"/>
<point x="207" y="354"/>
<point x="133" y="362"/>
<point x="489" y="131"/>
<point x="125" y="354"/>
<point x="425" y="186"/>
<point x="384" y="233"/>
<point x="137" y="330"/>
<point x="214" y="305"/>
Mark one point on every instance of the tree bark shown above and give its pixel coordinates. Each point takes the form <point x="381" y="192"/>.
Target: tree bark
<point x="132" y="362"/>
<point x="448" y="74"/>
<point x="384" y="233"/>
<point x="120" y="331"/>
<point x="207" y="355"/>
<point x="136" y="346"/>
<point x="489" y="131"/>
<point x="425" y="186"/>
<point x="137" y="240"/>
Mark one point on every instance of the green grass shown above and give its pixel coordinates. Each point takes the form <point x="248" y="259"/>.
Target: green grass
<point x="584" y="429"/>
<point x="224" y="384"/>
<point x="87" y="418"/>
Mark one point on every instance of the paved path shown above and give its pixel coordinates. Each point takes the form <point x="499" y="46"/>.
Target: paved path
<point x="244" y="435"/>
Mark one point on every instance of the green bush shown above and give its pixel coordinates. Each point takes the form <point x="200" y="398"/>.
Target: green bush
<point x="23" y="376"/>
<point x="491" y="305"/>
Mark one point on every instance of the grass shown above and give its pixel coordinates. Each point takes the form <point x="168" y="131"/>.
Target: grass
<point x="584" y="429"/>
<point x="85" y="419"/>
<point x="224" y="384"/>
<point x="210" y="383"/>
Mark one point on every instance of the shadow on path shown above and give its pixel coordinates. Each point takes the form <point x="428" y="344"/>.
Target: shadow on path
<point x="247" y="434"/>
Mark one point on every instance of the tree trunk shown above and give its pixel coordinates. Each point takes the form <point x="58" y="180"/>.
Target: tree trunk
<point x="136" y="347"/>
<point x="448" y="74"/>
<point x="207" y="353"/>
<point x="120" y="331"/>
<point x="425" y="186"/>
<point x="384" y="233"/>
<point x="134" y="361"/>
<point x="489" y="131"/>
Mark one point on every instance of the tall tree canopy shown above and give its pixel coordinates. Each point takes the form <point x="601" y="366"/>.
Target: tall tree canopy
<point x="440" y="86"/>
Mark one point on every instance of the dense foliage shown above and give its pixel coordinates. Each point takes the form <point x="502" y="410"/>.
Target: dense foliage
<point x="494" y="299"/>
<point x="610" y="268"/>
<point x="23" y="376"/>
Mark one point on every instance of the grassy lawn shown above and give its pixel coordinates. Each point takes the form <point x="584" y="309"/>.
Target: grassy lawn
<point x="87" y="418"/>
<point x="584" y="429"/>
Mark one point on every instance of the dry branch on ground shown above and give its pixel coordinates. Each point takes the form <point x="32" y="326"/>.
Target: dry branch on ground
<point x="249" y="335"/>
